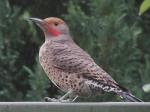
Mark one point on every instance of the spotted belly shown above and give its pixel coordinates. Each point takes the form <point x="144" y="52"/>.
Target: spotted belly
<point x="66" y="81"/>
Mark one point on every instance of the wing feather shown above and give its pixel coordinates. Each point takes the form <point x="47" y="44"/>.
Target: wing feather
<point x="72" y="59"/>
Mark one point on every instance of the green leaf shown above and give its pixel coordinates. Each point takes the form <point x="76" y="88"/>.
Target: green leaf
<point x="144" y="6"/>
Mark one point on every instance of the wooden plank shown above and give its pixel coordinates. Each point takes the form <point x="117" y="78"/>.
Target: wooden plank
<point x="74" y="107"/>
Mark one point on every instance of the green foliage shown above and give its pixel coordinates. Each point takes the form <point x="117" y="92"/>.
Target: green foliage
<point x="21" y="77"/>
<point x="38" y="81"/>
<point x="144" y="6"/>
<point x="14" y="83"/>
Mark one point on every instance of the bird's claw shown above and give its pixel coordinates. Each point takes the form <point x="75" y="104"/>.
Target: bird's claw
<point x="47" y="99"/>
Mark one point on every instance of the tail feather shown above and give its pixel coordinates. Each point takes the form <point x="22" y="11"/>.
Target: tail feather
<point x="128" y="97"/>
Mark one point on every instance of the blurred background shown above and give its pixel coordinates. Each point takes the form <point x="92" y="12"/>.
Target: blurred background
<point x="111" y="31"/>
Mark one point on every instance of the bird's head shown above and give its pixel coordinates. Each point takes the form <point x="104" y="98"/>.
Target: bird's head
<point x="52" y="26"/>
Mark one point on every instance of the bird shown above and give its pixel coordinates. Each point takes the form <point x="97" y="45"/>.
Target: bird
<point x="71" y="68"/>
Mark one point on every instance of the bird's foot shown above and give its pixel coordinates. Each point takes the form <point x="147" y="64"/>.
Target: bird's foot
<point x="47" y="99"/>
<point x="62" y="99"/>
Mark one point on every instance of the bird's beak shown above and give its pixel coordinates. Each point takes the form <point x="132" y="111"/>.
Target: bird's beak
<point x="41" y="23"/>
<point x="36" y="20"/>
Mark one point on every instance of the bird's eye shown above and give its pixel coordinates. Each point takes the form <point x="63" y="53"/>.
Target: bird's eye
<point x="56" y="24"/>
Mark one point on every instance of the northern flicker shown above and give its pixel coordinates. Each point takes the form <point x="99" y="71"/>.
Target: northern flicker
<point x="70" y="68"/>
